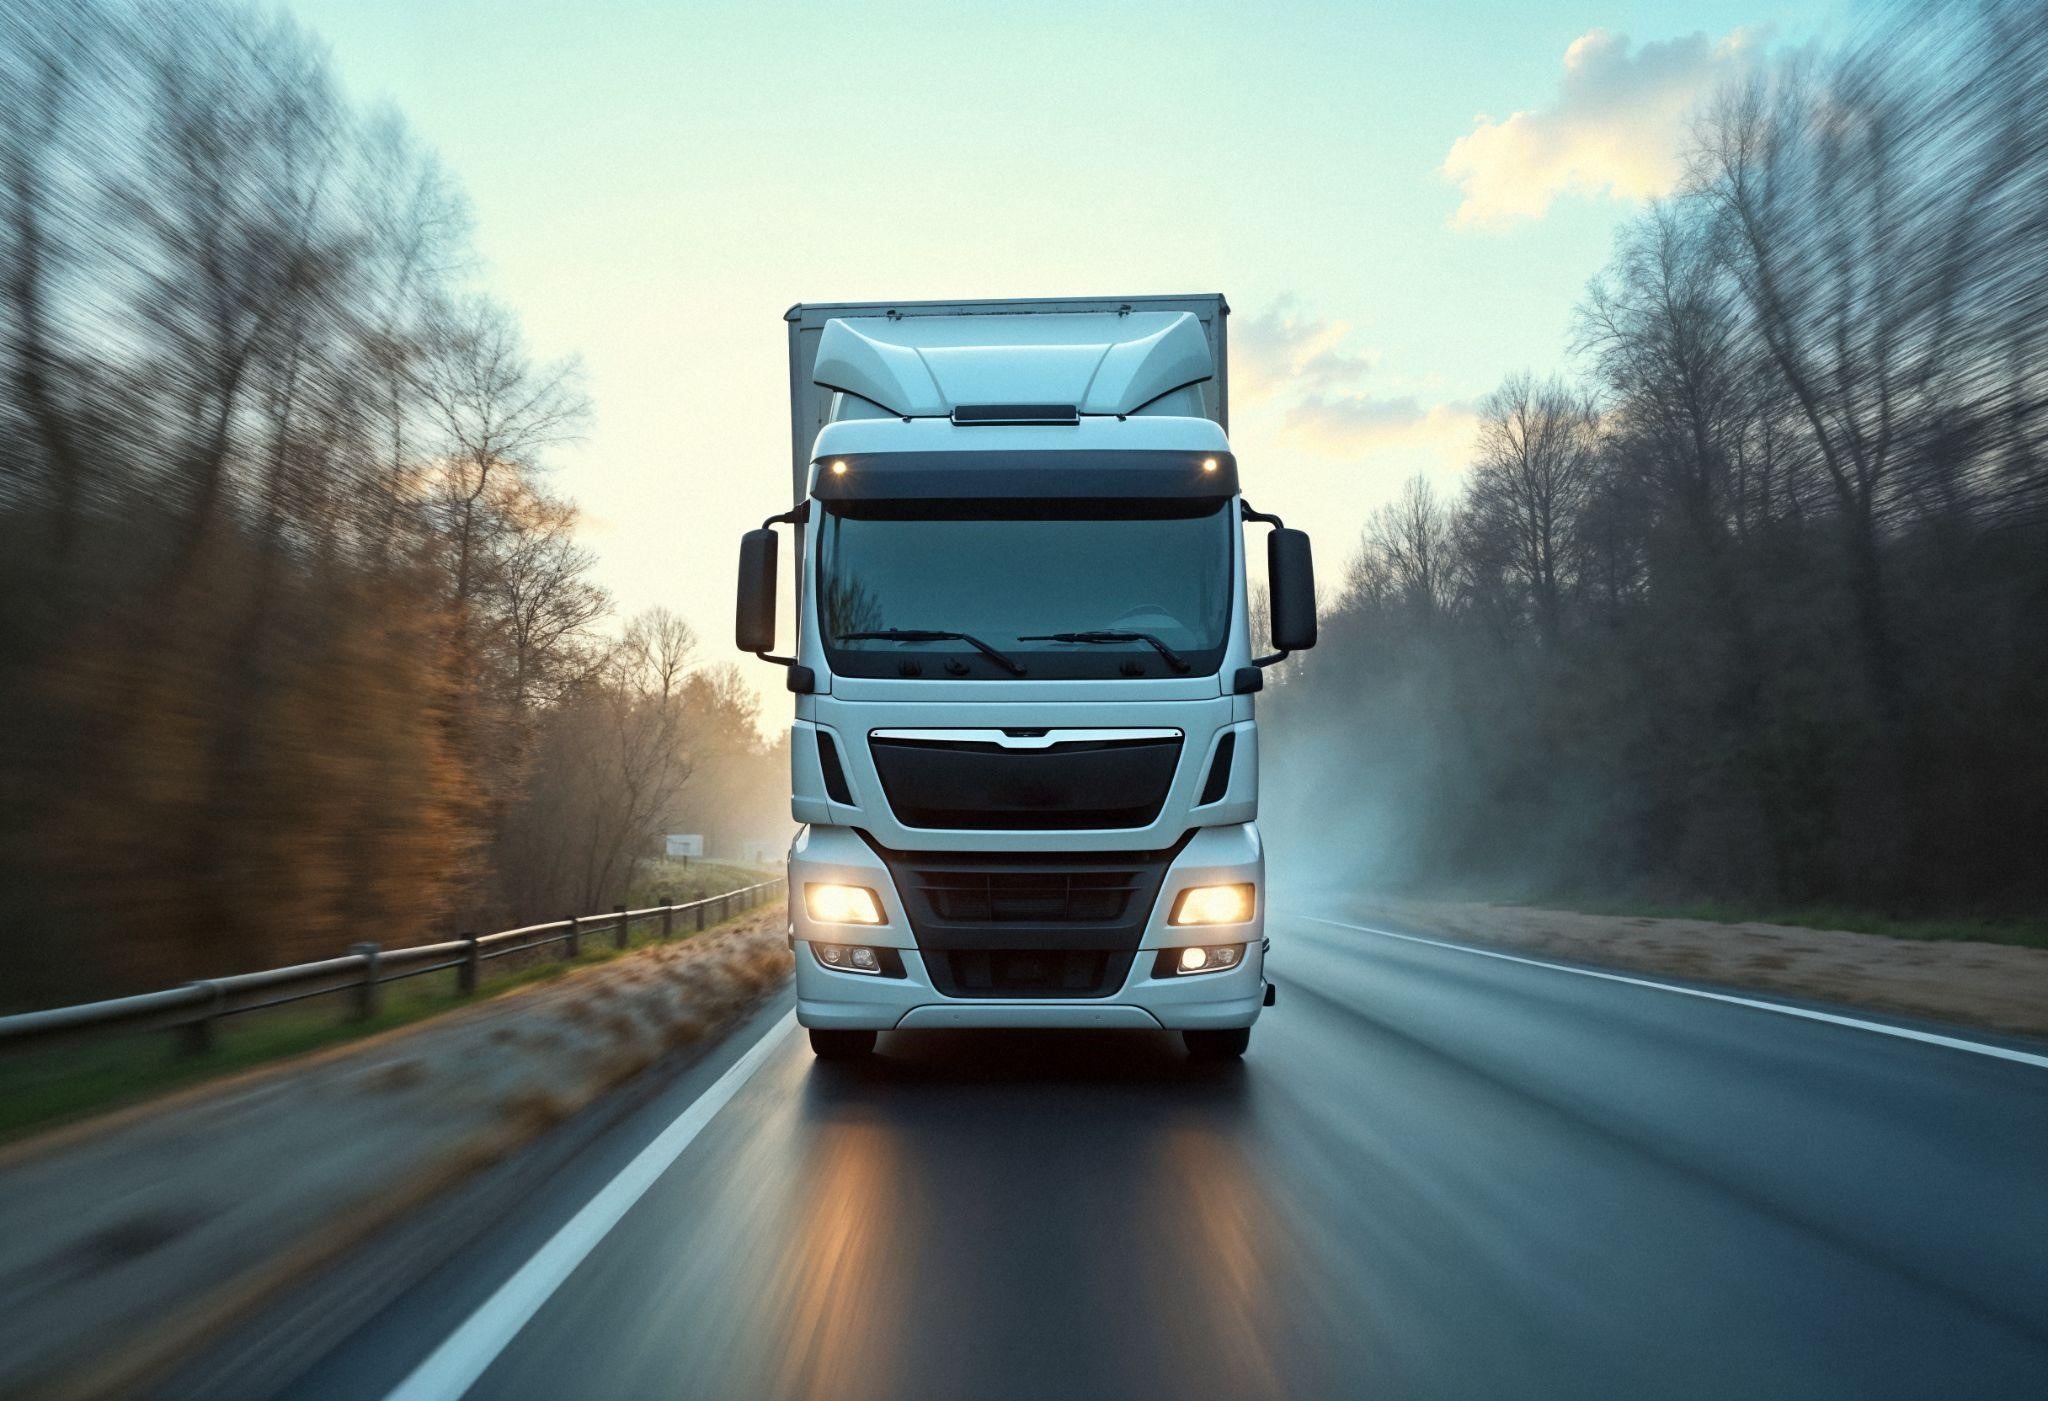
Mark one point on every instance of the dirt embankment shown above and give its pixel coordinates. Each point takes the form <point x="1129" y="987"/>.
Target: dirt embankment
<point x="123" y="1239"/>
<point x="1989" y="985"/>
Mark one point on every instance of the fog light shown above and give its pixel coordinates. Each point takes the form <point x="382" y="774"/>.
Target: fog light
<point x="1199" y="958"/>
<point x="856" y="958"/>
<point x="1215" y="904"/>
<point x="842" y="904"/>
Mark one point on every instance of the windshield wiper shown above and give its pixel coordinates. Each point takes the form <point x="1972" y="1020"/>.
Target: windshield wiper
<point x="1173" y="658"/>
<point x="1001" y="659"/>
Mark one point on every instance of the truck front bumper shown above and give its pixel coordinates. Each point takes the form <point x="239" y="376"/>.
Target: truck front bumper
<point x="831" y="998"/>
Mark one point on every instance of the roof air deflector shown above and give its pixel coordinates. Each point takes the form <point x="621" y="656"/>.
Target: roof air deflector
<point x="1105" y="363"/>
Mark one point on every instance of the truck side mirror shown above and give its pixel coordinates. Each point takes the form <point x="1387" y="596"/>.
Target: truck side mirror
<point x="1291" y="581"/>
<point x="754" y="627"/>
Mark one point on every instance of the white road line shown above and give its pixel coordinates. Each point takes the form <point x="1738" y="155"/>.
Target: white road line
<point x="452" y="1368"/>
<point x="1905" y="1033"/>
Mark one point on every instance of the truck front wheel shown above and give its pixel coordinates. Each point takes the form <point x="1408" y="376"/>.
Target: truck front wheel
<point x="841" y="1045"/>
<point x="1226" y="1044"/>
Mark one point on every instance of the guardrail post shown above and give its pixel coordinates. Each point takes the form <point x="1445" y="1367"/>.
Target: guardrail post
<point x="471" y="967"/>
<point x="575" y="936"/>
<point x="702" y="905"/>
<point x="668" y="915"/>
<point x="619" y="931"/>
<point x="195" y="1037"/>
<point x="368" y="993"/>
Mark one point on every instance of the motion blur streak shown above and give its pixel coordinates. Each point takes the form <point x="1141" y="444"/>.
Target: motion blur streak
<point x="1434" y="1176"/>
<point x="298" y="644"/>
<point x="833" y="1288"/>
<point x="1209" y="1208"/>
<point x="1749" y="610"/>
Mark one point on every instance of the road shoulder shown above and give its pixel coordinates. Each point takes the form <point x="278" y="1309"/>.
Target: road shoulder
<point x="1998" y="987"/>
<point x="169" y="1226"/>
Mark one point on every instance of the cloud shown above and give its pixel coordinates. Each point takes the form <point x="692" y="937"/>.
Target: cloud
<point x="1615" y="127"/>
<point x="1341" y="425"/>
<point x="1284" y="349"/>
<point x="1305" y="375"/>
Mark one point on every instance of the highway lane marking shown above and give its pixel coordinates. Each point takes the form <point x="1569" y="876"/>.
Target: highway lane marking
<point x="1905" y="1033"/>
<point x="452" y="1368"/>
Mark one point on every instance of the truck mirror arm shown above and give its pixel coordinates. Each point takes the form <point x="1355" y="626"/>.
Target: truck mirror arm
<point x="1250" y="682"/>
<point x="802" y="679"/>
<point x="1255" y="682"/>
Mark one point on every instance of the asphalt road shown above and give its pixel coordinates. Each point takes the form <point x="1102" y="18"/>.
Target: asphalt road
<point x="1436" y="1174"/>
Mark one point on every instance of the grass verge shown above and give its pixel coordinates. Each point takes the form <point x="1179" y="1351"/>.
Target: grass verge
<point x="2032" y="934"/>
<point x="677" y="882"/>
<point x="40" y="1089"/>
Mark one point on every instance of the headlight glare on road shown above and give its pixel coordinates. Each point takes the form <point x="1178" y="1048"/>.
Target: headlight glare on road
<point x="842" y="904"/>
<point x="1198" y="958"/>
<point x="1215" y="904"/>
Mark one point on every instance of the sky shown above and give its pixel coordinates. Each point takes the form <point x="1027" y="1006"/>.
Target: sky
<point x="1402" y="202"/>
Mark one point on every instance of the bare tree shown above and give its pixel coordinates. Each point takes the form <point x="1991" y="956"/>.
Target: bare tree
<point x="658" y="647"/>
<point x="1530" y="484"/>
<point x="1406" y="554"/>
<point x="496" y="412"/>
<point x="291" y="595"/>
<point x="539" y="589"/>
<point x="1783" y="592"/>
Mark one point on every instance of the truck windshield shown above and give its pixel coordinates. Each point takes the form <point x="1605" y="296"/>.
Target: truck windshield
<point x="1015" y="574"/>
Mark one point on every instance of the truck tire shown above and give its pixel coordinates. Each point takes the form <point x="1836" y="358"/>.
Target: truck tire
<point x="841" y="1045"/>
<point x="1226" y="1044"/>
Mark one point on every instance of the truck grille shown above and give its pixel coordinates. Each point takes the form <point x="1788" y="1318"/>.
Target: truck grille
<point x="968" y="784"/>
<point x="1028" y="924"/>
<point x="1011" y="897"/>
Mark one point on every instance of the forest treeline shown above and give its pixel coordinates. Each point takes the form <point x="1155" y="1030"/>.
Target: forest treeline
<point x="1754" y="608"/>
<point x="299" y="644"/>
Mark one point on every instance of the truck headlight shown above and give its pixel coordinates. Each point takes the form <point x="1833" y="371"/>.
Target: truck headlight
<point x="1215" y="904"/>
<point x="842" y="904"/>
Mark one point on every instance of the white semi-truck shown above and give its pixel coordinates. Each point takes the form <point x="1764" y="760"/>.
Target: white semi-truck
<point x="1024" y="757"/>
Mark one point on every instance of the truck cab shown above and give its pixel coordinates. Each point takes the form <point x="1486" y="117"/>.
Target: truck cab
<point x="1024" y="752"/>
